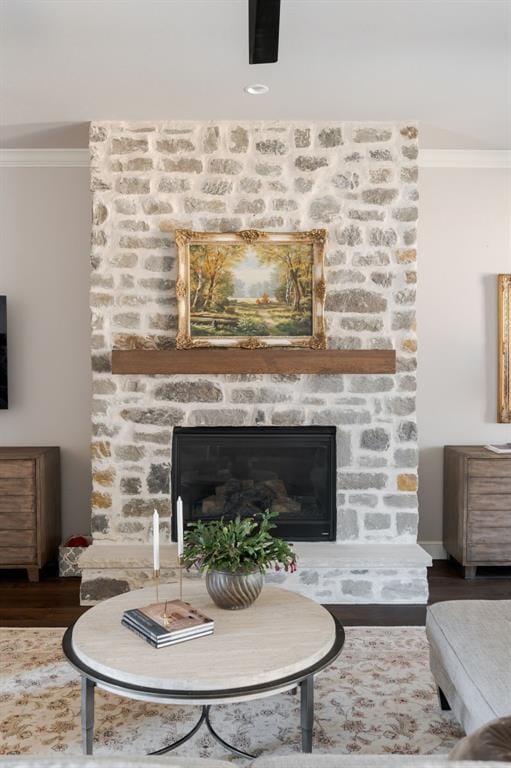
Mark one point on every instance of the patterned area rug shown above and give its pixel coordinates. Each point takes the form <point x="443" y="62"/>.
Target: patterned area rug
<point x="378" y="697"/>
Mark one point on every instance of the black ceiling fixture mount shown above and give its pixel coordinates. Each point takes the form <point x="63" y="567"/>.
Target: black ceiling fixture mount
<point x="263" y="31"/>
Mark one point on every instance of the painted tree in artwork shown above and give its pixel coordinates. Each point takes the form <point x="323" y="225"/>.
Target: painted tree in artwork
<point x="293" y="262"/>
<point x="250" y="289"/>
<point x="210" y="265"/>
<point x="197" y="275"/>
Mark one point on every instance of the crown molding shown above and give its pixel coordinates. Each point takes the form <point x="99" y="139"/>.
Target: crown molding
<point x="465" y="158"/>
<point x="44" y="158"/>
<point x="428" y="158"/>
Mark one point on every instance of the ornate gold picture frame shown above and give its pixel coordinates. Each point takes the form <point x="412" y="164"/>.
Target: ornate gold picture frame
<point x="504" y="407"/>
<point x="251" y="289"/>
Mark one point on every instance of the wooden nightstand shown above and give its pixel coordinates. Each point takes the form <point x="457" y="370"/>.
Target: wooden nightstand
<point x="477" y="507"/>
<point x="29" y="508"/>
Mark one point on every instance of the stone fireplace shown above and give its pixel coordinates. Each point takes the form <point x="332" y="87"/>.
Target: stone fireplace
<point x="359" y="181"/>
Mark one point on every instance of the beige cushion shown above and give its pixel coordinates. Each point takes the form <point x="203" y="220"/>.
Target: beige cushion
<point x="73" y="761"/>
<point x="317" y="760"/>
<point x="365" y="761"/>
<point x="470" y="642"/>
<point x="291" y="761"/>
<point x="491" y="742"/>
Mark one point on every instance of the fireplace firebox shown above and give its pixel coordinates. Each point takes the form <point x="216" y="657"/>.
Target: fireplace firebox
<point x="229" y="471"/>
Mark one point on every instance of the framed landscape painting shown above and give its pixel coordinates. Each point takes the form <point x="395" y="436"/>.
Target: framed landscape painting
<point x="251" y="289"/>
<point x="504" y="407"/>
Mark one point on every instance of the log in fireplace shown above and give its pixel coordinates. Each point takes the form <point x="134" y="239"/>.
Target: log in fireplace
<point x="229" y="471"/>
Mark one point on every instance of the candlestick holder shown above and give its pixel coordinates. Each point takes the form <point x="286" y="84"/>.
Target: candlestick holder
<point x="166" y="619"/>
<point x="157" y="583"/>
<point x="180" y="566"/>
<point x="156" y="578"/>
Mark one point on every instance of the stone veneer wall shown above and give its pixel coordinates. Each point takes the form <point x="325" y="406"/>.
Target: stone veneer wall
<point x="357" y="180"/>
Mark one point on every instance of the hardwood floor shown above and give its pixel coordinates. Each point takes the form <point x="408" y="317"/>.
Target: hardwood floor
<point x="54" y="602"/>
<point x="50" y="602"/>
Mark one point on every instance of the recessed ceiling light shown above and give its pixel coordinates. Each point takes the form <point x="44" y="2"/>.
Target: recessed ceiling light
<point x="257" y="89"/>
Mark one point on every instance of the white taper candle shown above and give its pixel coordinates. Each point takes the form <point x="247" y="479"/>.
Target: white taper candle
<point x="180" y="531"/>
<point x="156" y="541"/>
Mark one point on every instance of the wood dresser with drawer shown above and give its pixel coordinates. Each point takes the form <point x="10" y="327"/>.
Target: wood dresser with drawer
<point x="29" y="508"/>
<point x="477" y="507"/>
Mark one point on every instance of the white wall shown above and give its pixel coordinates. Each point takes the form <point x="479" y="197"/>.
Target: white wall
<point x="464" y="242"/>
<point x="44" y="271"/>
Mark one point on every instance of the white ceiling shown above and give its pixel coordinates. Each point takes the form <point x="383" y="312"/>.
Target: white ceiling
<point x="446" y="63"/>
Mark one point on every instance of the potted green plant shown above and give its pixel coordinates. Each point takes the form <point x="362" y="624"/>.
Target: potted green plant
<point x="235" y="555"/>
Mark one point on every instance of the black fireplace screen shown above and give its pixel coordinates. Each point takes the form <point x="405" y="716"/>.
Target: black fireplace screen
<point x="229" y="471"/>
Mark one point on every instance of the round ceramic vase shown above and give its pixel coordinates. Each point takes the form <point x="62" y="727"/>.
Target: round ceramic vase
<point x="234" y="591"/>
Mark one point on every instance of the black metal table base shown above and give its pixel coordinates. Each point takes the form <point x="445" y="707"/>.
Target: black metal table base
<point x="204" y="718"/>
<point x="306" y="721"/>
<point x="304" y="680"/>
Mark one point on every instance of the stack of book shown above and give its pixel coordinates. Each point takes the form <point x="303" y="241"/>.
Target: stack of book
<point x="169" y="623"/>
<point x="503" y="448"/>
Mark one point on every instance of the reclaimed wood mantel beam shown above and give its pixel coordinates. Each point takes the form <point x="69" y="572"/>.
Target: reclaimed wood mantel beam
<point x="270" y="360"/>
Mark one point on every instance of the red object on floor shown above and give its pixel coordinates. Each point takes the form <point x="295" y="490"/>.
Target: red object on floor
<point x="77" y="541"/>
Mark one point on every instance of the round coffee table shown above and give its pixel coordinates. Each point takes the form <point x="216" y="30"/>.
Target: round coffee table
<point x="276" y="645"/>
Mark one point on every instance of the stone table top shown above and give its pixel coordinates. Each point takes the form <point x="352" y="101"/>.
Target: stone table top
<point x="281" y="634"/>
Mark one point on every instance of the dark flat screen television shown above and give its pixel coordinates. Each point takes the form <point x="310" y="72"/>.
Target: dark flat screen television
<point x="3" y="352"/>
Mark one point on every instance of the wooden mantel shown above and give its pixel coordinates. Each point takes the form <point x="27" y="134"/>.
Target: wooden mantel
<point x="270" y="360"/>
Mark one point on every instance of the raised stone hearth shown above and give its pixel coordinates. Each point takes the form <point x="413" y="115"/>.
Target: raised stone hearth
<point x="328" y="572"/>
<point x="359" y="181"/>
